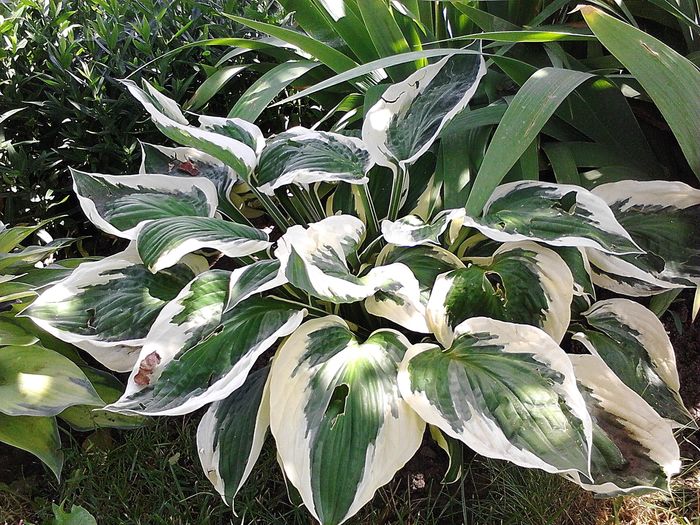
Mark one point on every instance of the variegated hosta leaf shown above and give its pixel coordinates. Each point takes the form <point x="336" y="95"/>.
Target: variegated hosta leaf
<point x="506" y="390"/>
<point x="187" y="162"/>
<point x="340" y="425"/>
<point x="556" y="214"/>
<point x="314" y="259"/>
<point x="198" y="352"/>
<point x="634" y="449"/>
<point x="162" y="243"/>
<point x="235" y="128"/>
<point x="213" y="139"/>
<point x="107" y="307"/>
<point x="584" y="291"/>
<point x="662" y="217"/>
<point x="405" y="304"/>
<point x="121" y="204"/>
<point x="412" y="230"/>
<point x="522" y="282"/>
<point x="410" y="114"/>
<point x="303" y="156"/>
<point x="634" y="344"/>
<point x="231" y="435"/>
<point x="35" y="381"/>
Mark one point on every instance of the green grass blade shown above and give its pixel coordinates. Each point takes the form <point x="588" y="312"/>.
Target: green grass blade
<point x="672" y="81"/>
<point x="527" y="114"/>
<point x="212" y="85"/>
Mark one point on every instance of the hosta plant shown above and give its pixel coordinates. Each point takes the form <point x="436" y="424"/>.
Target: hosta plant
<point x="43" y="379"/>
<point x="365" y="311"/>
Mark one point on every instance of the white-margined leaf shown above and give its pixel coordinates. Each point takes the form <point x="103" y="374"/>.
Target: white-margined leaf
<point x="340" y="425"/>
<point x="231" y="434"/>
<point x="409" y="116"/>
<point x="413" y="231"/>
<point x="634" y="449"/>
<point x="302" y="156"/>
<point x="506" y="390"/>
<point x="121" y="204"/>
<point x="188" y="162"/>
<point x="35" y="381"/>
<point x="315" y="260"/>
<point x="198" y="352"/>
<point x="235" y="128"/>
<point x="634" y="344"/>
<point x="406" y="304"/>
<point x="556" y="214"/>
<point x="231" y="151"/>
<point x="584" y="291"/>
<point x="162" y="243"/>
<point x="107" y="307"/>
<point x="662" y="217"/>
<point x="522" y="282"/>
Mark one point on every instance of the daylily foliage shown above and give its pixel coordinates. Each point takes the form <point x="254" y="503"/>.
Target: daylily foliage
<point x="345" y="335"/>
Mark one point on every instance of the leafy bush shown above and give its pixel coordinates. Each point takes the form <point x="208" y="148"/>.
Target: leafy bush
<point x="61" y="104"/>
<point x="471" y="307"/>
<point x="42" y="377"/>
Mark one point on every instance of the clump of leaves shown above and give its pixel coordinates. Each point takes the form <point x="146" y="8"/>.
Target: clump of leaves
<point x="347" y="335"/>
<point x="41" y="377"/>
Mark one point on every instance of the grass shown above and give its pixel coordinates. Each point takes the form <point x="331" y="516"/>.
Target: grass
<point x="152" y="476"/>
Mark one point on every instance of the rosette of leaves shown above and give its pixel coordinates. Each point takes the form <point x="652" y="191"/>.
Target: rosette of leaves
<point x="366" y="310"/>
<point x="44" y="379"/>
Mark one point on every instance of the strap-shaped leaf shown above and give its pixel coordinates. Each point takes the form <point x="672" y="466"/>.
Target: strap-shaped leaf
<point x="405" y="305"/>
<point x="634" y="344"/>
<point x="230" y="436"/>
<point x="315" y="260"/>
<point x="340" y="425"/>
<point x="634" y="449"/>
<point x="36" y="435"/>
<point x="35" y="381"/>
<point x="410" y="114"/>
<point x="212" y="363"/>
<point x="210" y="139"/>
<point x="556" y="214"/>
<point x="187" y="162"/>
<point x="121" y="204"/>
<point x="506" y="390"/>
<point x="303" y="156"/>
<point x="107" y="307"/>
<point x="522" y="282"/>
<point x="662" y="217"/>
<point x="162" y="243"/>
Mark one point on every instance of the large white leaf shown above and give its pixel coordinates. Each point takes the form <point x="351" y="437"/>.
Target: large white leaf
<point x="163" y="242"/>
<point x="409" y="116"/>
<point x="555" y="214"/>
<point x="302" y="156"/>
<point x="634" y="344"/>
<point x="225" y="142"/>
<point x="315" y="260"/>
<point x="522" y="282"/>
<point x="634" y="449"/>
<point x="204" y="343"/>
<point x="121" y="204"/>
<point x="107" y="307"/>
<point x="506" y="390"/>
<point x="663" y="217"/>
<point x="340" y="425"/>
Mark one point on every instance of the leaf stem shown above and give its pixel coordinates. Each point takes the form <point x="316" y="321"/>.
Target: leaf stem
<point x="397" y="189"/>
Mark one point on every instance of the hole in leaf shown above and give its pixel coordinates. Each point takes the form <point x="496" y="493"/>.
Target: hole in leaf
<point x="336" y="405"/>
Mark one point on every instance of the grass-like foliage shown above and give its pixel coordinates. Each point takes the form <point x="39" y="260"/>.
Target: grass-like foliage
<point x="414" y="271"/>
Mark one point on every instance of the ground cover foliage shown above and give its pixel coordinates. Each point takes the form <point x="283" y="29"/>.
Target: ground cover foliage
<point x="470" y="246"/>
